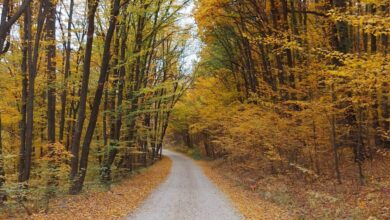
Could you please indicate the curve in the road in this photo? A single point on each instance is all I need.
(187, 194)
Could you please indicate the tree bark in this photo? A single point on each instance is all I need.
(6, 22)
(66, 72)
(334, 139)
(25, 61)
(50, 38)
(78, 185)
(51, 70)
(34, 53)
(119, 87)
(2, 171)
(76, 138)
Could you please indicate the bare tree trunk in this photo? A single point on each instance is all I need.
(77, 186)
(104, 121)
(66, 72)
(76, 138)
(51, 70)
(386, 111)
(360, 150)
(31, 92)
(2, 171)
(25, 62)
(50, 38)
(316, 160)
(334, 139)
(115, 136)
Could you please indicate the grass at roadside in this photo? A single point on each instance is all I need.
(246, 201)
(121, 200)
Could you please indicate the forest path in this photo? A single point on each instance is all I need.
(187, 194)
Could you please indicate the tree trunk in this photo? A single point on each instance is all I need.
(34, 53)
(77, 186)
(51, 70)
(113, 150)
(2, 171)
(334, 139)
(66, 73)
(75, 145)
(25, 62)
(50, 38)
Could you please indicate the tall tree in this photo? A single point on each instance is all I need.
(33, 54)
(77, 186)
(67, 71)
(75, 146)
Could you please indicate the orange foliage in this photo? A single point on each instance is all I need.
(116, 203)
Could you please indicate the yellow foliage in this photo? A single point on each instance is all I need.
(117, 203)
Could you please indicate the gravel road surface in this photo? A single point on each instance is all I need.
(187, 194)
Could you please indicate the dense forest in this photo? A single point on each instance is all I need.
(86, 88)
(295, 90)
(282, 91)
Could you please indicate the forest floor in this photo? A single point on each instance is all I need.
(118, 202)
(290, 196)
(246, 201)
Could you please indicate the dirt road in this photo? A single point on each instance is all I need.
(187, 194)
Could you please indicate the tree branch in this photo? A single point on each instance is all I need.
(5, 26)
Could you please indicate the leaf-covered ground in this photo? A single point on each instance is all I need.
(246, 201)
(290, 197)
(116, 203)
